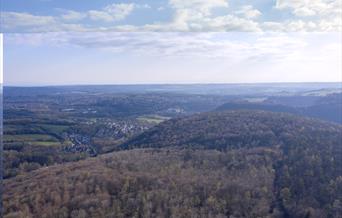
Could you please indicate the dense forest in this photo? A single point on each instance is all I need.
(236, 129)
(148, 183)
(215, 164)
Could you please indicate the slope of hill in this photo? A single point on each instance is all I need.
(148, 183)
(234, 129)
(219, 164)
(328, 107)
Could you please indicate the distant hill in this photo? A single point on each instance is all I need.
(258, 106)
(326, 108)
(217, 164)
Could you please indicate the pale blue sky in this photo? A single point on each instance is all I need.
(170, 15)
(88, 42)
(135, 58)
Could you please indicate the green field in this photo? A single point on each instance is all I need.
(153, 119)
(29, 138)
(44, 143)
(58, 129)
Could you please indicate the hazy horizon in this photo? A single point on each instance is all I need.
(167, 84)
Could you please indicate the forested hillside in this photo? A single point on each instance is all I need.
(149, 183)
(218, 164)
(237, 129)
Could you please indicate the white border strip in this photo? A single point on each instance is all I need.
(1, 117)
(1, 59)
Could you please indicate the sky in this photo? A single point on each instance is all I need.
(170, 15)
(69, 58)
(58, 42)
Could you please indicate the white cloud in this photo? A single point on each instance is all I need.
(217, 56)
(199, 6)
(198, 15)
(194, 14)
(13, 21)
(144, 6)
(303, 26)
(70, 15)
(311, 7)
(113, 12)
(9, 19)
(68, 20)
(249, 12)
(212, 45)
(314, 15)
(186, 16)
(100, 15)
(230, 23)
